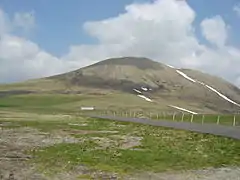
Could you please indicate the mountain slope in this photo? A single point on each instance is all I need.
(134, 76)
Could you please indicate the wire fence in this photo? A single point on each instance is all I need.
(219, 119)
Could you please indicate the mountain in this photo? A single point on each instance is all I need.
(164, 85)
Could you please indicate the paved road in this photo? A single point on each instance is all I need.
(232, 132)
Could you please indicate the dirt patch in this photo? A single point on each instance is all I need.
(14, 143)
(119, 141)
(75, 132)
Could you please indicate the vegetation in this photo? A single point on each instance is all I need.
(109, 146)
(159, 150)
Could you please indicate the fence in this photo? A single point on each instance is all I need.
(219, 119)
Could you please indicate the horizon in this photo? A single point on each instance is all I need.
(38, 40)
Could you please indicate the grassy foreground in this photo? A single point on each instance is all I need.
(72, 141)
(122, 148)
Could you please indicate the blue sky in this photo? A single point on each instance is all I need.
(45, 37)
(59, 23)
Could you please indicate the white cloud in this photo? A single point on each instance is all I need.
(162, 30)
(21, 59)
(215, 30)
(236, 9)
(24, 20)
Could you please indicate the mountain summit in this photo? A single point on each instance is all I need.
(156, 82)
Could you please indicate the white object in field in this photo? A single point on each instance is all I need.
(71, 124)
(179, 108)
(144, 97)
(137, 91)
(143, 88)
(185, 76)
(221, 95)
(87, 108)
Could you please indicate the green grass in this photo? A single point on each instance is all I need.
(69, 103)
(43, 103)
(162, 149)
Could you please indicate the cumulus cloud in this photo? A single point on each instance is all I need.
(215, 30)
(21, 59)
(162, 30)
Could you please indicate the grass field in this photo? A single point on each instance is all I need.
(119, 148)
(73, 102)
(49, 128)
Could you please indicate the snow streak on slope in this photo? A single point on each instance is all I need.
(144, 97)
(221, 95)
(170, 66)
(182, 109)
(185, 76)
(137, 91)
(209, 87)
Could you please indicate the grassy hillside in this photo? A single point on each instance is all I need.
(110, 84)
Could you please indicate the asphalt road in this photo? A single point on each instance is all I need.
(219, 130)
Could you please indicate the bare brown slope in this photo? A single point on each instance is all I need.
(126, 73)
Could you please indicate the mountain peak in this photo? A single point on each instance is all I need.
(139, 62)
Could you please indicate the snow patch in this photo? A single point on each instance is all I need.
(209, 87)
(143, 88)
(137, 91)
(170, 66)
(144, 97)
(185, 76)
(221, 95)
(179, 108)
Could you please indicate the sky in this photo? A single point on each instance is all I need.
(40, 38)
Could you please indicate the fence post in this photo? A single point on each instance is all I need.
(192, 118)
(182, 117)
(218, 119)
(203, 119)
(234, 120)
(174, 116)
